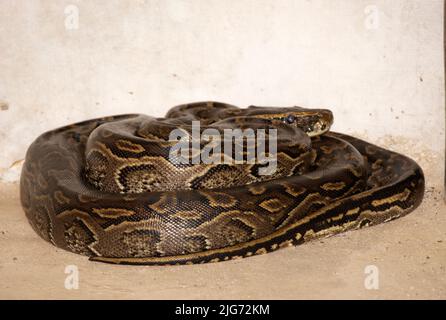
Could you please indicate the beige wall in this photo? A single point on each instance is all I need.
(376, 64)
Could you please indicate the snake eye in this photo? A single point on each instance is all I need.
(290, 118)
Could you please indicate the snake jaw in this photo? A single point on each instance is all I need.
(318, 129)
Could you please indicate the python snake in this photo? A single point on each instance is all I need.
(106, 187)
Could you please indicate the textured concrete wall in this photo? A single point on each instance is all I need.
(376, 64)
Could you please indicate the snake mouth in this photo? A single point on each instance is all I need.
(314, 125)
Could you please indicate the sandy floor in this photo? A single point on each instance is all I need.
(410, 254)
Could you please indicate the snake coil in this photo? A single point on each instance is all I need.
(106, 187)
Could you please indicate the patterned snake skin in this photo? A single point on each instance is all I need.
(106, 187)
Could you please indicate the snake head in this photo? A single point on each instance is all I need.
(313, 122)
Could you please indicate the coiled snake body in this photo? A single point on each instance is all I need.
(106, 188)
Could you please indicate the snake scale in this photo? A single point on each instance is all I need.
(106, 188)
